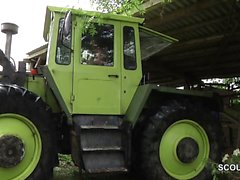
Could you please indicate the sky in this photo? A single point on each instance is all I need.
(29, 15)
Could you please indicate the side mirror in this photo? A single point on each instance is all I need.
(64, 32)
(67, 26)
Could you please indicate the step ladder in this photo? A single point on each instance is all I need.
(104, 144)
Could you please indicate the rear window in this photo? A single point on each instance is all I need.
(151, 43)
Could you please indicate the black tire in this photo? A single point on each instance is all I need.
(19, 101)
(151, 130)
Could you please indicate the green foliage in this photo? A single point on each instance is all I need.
(230, 84)
(66, 167)
(68, 171)
(125, 7)
(234, 158)
(233, 84)
(121, 6)
(109, 6)
(118, 6)
(88, 25)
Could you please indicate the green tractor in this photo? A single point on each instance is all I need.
(84, 94)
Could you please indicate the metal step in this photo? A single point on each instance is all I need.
(99, 127)
(102, 142)
(103, 160)
(112, 170)
(98, 138)
(97, 120)
(102, 149)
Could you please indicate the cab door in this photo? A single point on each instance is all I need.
(131, 62)
(96, 71)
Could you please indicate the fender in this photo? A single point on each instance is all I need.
(143, 93)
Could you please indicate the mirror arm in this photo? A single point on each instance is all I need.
(71, 50)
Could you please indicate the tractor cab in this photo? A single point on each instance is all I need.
(94, 59)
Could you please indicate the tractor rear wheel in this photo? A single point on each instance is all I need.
(177, 142)
(26, 139)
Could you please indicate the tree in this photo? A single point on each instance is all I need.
(118, 6)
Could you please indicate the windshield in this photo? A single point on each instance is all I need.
(152, 42)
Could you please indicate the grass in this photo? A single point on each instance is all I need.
(68, 171)
(66, 168)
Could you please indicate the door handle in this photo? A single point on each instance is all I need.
(113, 75)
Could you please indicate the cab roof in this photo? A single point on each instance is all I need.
(80, 12)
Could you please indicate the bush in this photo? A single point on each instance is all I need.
(229, 168)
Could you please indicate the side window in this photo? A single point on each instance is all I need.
(129, 48)
(97, 45)
(63, 54)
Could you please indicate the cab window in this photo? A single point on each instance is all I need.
(97, 45)
(63, 54)
(151, 43)
(129, 48)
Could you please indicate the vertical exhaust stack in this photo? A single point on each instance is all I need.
(9, 29)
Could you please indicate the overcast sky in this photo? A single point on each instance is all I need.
(29, 16)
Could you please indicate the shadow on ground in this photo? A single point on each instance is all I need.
(77, 177)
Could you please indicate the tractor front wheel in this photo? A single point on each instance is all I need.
(26, 139)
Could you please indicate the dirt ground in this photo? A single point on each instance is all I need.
(77, 177)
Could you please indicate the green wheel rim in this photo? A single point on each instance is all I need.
(24, 129)
(168, 149)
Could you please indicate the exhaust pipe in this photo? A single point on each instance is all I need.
(9, 29)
